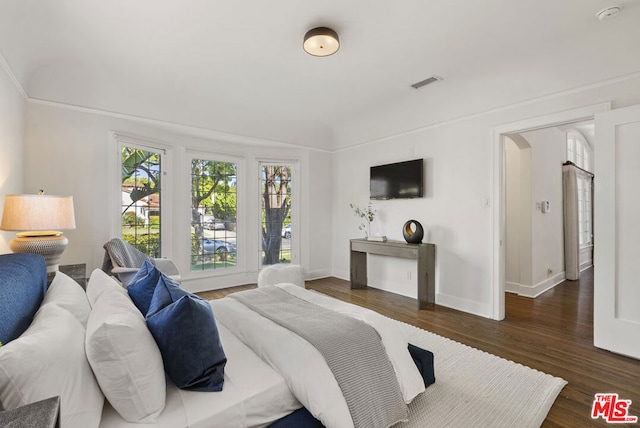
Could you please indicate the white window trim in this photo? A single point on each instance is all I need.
(241, 222)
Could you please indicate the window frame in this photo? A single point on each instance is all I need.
(294, 164)
(585, 206)
(185, 230)
(120, 140)
(579, 152)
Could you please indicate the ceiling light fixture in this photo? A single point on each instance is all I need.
(608, 12)
(321, 41)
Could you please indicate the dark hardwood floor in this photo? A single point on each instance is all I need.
(552, 333)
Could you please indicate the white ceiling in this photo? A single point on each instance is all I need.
(238, 66)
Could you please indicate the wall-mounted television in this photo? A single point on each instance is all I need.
(401, 180)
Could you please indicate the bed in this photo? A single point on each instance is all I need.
(101, 355)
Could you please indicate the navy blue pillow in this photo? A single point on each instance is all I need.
(23, 284)
(143, 285)
(424, 361)
(186, 333)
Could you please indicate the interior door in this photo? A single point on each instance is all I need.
(617, 231)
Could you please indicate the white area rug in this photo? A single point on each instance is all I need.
(477, 389)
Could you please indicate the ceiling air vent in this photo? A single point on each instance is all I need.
(426, 82)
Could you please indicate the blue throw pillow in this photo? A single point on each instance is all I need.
(23, 284)
(143, 285)
(186, 333)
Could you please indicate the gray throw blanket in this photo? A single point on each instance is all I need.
(352, 349)
(122, 254)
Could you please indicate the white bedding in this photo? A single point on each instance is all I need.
(302, 365)
(254, 395)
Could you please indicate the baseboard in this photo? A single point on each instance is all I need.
(317, 274)
(453, 302)
(215, 282)
(341, 274)
(541, 287)
(465, 305)
(586, 265)
(512, 287)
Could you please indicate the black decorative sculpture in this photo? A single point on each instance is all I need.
(410, 235)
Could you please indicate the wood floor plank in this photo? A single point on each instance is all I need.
(552, 333)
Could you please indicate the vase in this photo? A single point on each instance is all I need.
(410, 235)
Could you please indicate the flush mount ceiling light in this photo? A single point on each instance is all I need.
(608, 12)
(321, 41)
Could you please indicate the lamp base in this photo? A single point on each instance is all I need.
(51, 247)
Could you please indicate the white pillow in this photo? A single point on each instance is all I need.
(125, 358)
(48, 359)
(69, 295)
(99, 282)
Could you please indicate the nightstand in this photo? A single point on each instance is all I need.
(76, 272)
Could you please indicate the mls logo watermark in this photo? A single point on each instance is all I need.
(612, 409)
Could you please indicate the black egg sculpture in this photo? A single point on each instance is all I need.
(410, 235)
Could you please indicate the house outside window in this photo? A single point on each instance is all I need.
(141, 198)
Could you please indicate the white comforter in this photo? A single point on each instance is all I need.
(254, 395)
(302, 366)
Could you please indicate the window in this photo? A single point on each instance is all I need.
(584, 210)
(213, 214)
(276, 197)
(141, 190)
(579, 152)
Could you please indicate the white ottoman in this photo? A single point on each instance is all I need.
(276, 274)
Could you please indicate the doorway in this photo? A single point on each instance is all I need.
(499, 189)
(540, 253)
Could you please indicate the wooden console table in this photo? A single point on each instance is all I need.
(424, 254)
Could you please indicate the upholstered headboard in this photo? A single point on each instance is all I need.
(23, 284)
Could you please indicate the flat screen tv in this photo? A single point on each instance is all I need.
(402, 180)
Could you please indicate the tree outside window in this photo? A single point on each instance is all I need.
(213, 214)
(141, 199)
(276, 214)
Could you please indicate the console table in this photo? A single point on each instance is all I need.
(424, 254)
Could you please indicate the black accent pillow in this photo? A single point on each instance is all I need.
(424, 361)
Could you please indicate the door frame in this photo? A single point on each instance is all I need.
(498, 223)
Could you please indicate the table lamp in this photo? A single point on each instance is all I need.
(38, 218)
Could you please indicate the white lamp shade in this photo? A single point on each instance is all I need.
(38, 213)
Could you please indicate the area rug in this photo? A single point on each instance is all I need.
(477, 389)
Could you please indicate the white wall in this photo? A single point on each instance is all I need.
(548, 152)
(12, 147)
(71, 151)
(459, 170)
(458, 160)
(518, 213)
